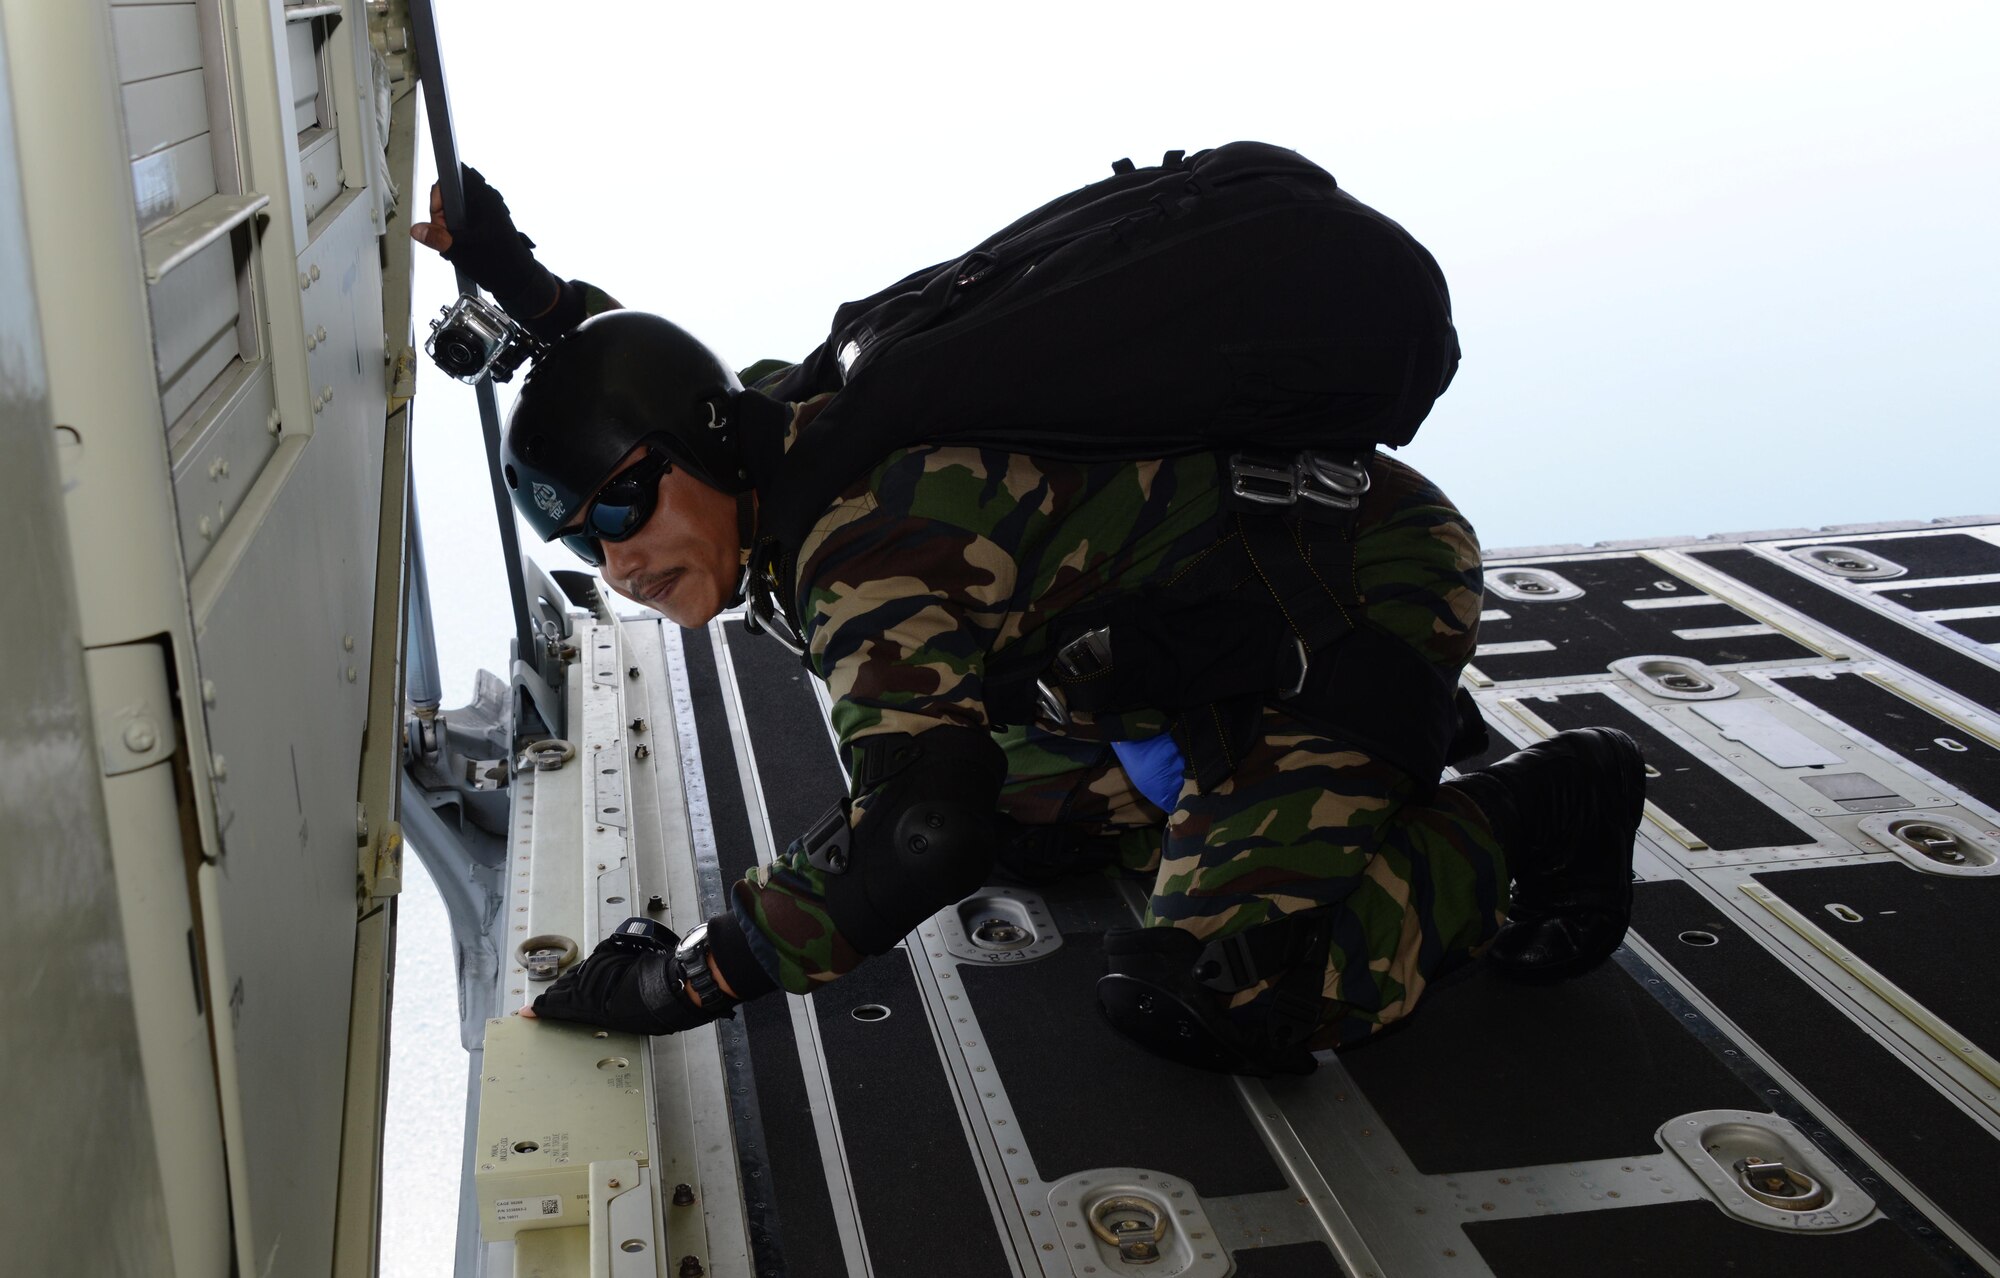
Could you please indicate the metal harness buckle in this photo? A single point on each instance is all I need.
(1082, 657)
(1320, 478)
(760, 616)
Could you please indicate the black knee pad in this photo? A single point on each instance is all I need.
(926, 839)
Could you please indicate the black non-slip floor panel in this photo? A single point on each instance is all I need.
(1591, 632)
(1977, 629)
(1952, 667)
(1680, 1240)
(1925, 598)
(906, 1148)
(1932, 934)
(1906, 728)
(1908, 1123)
(1293, 1260)
(795, 758)
(1085, 1097)
(1722, 814)
(792, 1218)
(1942, 555)
(1490, 1073)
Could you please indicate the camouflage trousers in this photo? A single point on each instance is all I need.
(1415, 885)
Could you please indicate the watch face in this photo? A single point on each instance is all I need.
(696, 939)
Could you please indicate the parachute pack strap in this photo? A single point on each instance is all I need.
(1375, 693)
(1309, 570)
(1215, 736)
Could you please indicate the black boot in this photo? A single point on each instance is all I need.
(1567, 812)
(1150, 994)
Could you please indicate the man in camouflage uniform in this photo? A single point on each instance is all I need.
(1347, 880)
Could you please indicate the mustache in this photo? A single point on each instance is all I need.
(645, 583)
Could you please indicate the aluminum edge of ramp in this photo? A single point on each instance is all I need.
(613, 827)
(1363, 1190)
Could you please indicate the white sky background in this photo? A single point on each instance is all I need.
(1714, 266)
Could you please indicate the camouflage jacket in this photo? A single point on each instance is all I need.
(942, 558)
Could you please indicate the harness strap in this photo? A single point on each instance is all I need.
(1292, 952)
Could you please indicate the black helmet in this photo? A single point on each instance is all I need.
(621, 379)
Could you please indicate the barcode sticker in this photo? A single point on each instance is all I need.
(507, 1210)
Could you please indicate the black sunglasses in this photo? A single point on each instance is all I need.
(620, 508)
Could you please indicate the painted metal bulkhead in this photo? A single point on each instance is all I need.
(219, 295)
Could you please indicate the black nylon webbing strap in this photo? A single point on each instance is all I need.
(1318, 600)
(1290, 952)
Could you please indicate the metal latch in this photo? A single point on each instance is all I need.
(1132, 1225)
(546, 956)
(1776, 1185)
(545, 756)
(1000, 934)
(1934, 841)
(1678, 678)
(1850, 562)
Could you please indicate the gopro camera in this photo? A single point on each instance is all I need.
(472, 338)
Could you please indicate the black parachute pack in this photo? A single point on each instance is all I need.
(1235, 297)
(1230, 300)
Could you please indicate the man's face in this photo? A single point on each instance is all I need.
(684, 561)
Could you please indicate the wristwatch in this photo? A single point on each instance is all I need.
(691, 960)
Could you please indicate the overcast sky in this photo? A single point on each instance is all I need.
(1714, 266)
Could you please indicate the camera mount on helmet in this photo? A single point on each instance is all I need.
(472, 338)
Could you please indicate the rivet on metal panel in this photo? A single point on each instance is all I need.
(320, 333)
(690, 1267)
(347, 642)
(353, 674)
(631, 672)
(205, 527)
(638, 725)
(218, 767)
(314, 272)
(655, 904)
(141, 736)
(305, 282)
(208, 692)
(642, 752)
(275, 423)
(312, 343)
(683, 1194)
